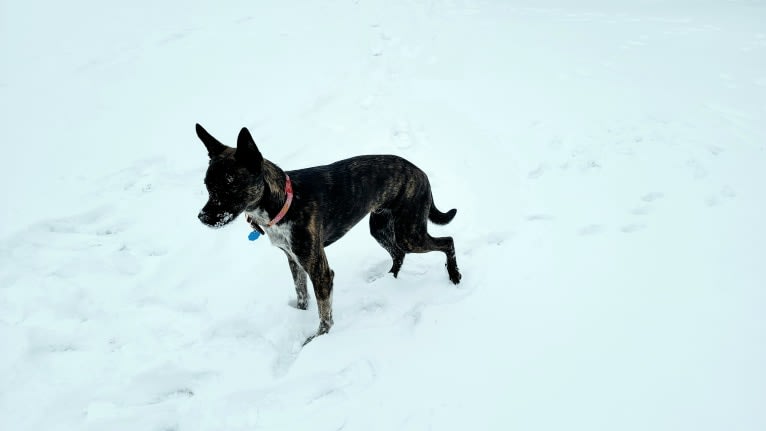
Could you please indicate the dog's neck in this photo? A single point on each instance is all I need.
(274, 196)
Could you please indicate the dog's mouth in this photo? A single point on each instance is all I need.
(217, 221)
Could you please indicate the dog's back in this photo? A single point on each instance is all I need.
(347, 190)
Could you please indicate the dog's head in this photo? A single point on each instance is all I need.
(234, 178)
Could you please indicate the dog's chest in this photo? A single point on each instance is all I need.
(280, 235)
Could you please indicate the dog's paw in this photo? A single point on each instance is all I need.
(300, 305)
(454, 274)
(324, 327)
(396, 267)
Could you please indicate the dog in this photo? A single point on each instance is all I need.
(305, 210)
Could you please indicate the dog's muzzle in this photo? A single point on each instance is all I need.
(215, 220)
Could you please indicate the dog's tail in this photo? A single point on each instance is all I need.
(439, 217)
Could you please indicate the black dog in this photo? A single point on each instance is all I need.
(306, 210)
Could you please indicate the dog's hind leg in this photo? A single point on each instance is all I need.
(299, 278)
(447, 245)
(413, 237)
(382, 229)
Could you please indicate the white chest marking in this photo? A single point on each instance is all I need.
(280, 234)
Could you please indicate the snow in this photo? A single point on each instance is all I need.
(606, 160)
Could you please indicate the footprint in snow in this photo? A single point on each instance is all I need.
(539, 217)
(714, 199)
(374, 276)
(715, 150)
(414, 316)
(403, 136)
(378, 271)
(556, 143)
(171, 38)
(497, 238)
(651, 197)
(372, 306)
(479, 242)
(591, 229)
(537, 172)
(173, 395)
(698, 171)
(642, 210)
(648, 198)
(631, 228)
(589, 165)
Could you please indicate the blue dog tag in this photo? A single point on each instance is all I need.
(254, 235)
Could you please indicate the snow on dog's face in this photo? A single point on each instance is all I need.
(234, 178)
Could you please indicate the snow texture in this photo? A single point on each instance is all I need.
(607, 160)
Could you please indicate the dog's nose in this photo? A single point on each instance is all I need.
(201, 216)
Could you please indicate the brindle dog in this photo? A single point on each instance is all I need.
(327, 202)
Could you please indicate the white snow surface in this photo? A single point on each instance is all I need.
(607, 160)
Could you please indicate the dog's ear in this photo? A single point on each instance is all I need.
(214, 147)
(247, 152)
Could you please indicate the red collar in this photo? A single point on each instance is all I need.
(289, 192)
(288, 201)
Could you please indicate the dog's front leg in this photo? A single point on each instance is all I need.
(299, 278)
(322, 278)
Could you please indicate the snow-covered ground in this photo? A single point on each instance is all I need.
(607, 161)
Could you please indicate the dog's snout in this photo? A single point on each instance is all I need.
(213, 218)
